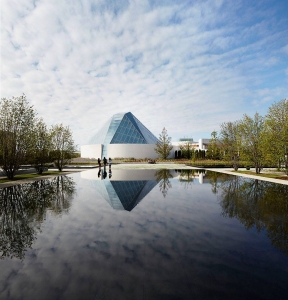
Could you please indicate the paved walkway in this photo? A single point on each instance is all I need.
(230, 171)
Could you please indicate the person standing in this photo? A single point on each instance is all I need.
(99, 163)
(104, 161)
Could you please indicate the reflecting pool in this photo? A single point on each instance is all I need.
(144, 234)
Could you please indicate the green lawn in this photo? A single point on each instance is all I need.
(28, 176)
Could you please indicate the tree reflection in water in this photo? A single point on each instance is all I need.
(257, 203)
(163, 177)
(23, 208)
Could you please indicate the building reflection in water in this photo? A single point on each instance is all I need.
(124, 195)
(255, 203)
(188, 176)
(128, 187)
(24, 207)
(125, 189)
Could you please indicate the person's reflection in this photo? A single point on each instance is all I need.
(110, 171)
(105, 172)
(99, 173)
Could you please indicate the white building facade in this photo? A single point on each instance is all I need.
(124, 136)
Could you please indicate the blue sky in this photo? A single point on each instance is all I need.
(185, 65)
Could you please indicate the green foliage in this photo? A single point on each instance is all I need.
(252, 132)
(39, 155)
(276, 134)
(17, 119)
(63, 147)
(209, 163)
(213, 151)
(187, 150)
(230, 140)
(25, 139)
(258, 140)
(164, 146)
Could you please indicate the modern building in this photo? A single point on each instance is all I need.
(121, 136)
(124, 136)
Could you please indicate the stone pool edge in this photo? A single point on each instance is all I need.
(144, 166)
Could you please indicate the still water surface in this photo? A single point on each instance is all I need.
(145, 234)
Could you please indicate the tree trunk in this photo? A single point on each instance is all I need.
(258, 169)
(10, 174)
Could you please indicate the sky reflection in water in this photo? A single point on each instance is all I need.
(144, 234)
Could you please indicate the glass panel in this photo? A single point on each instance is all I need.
(127, 133)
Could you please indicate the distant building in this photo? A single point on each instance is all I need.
(202, 144)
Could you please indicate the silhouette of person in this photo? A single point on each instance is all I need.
(104, 161)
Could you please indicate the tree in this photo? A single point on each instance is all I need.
(163, 147)
(252, 131)
(213, 150)
(62, 145)
(187, 150)
(276, 133)
(230, 141)
(39, 155)
(16, 127)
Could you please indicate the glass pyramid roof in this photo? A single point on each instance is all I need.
(123, 128)
(124, 195)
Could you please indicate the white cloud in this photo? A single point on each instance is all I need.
(176, 66)
(285, 49)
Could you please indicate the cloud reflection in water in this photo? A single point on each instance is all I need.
(177, 247)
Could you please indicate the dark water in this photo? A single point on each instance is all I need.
(144, 234)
